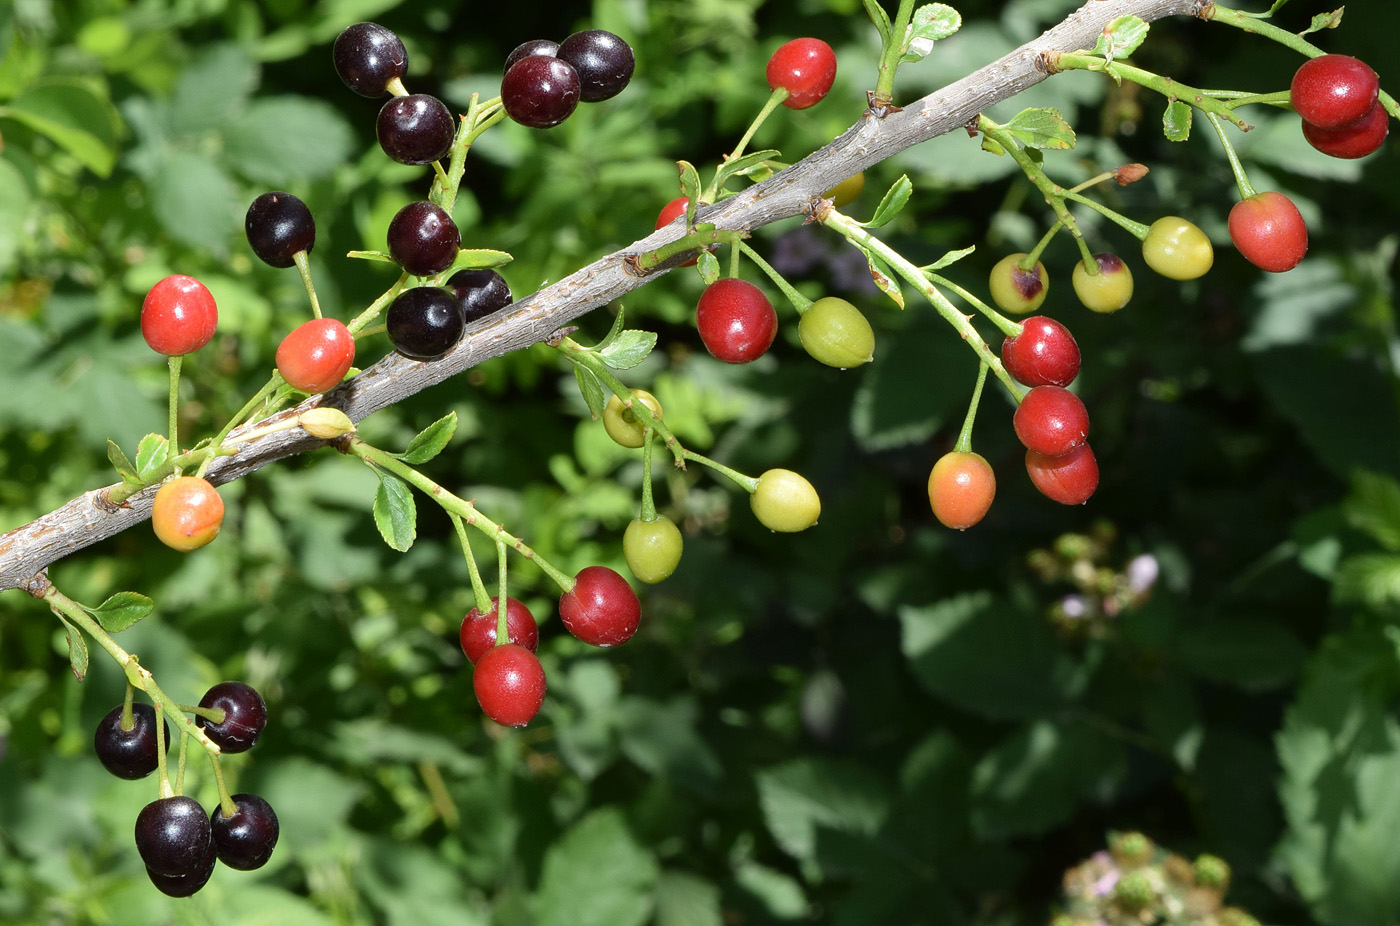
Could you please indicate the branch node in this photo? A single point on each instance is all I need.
(557, 338)
(103, 500)
(1048, 62)
(1204, 9)
(39, 584)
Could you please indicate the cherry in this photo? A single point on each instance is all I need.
(1043, 354)
(316, 355)
(669, 213)
(836, 333)
(540, 91)
(509, 683)
(652, 548)
(806, 68)
(415, 129)
(604, 63)
(173, 836)
(1051, 420)
(1069, 478)
(178, 316)
(129, 754)
(1353, 139)
(367, 56)
(481, 292)
(1269, 231)
(187, 513)
(245, 840)
(622, 425)
(478, 633)
(961, 487)
(187, 885)
(1177, 249)
(1015, 290)
(845, 192)
(245, 716)
(424, 323)
(542, 47)
(736, 321)
(279, 225)
(601, 608)
(1106, 291)
(785, 501)
(1331, 90)
(423, 239)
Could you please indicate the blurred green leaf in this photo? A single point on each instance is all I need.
(802, 800)
(212, 90)
(196, 202)
(75, 116)
(16, 205)
(280, 140)
(682, 899)
(596, 874)
(1250, 653)
(1374, 507)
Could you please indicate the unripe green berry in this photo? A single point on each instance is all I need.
(652, 548)
(836, 333)
(785, 501)
(1177, 249)
(622, 424)
(1106, 291)
(1015, 290)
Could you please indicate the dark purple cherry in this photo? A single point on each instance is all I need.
(424, 323)
(173, 835)
(129, 754)
(245, 840)
(481, 292)
(423, 239)
(415, 129)
(367, 56)
(278, 226)
(604, 63)
(543, 47)
(245, 716)
(186, 885)
(539, 91)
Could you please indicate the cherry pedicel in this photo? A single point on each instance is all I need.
(1043, 354)
(478, 633)
(601, 609)
(245, 716)
(278, 226)
(178, 316)
(1051, 420)
(1331, 90)
(735, 320)
(1069, 478)
(509, 683)
(316, 355)
(806, 68)
(367, 56)
(1269, 231)
(1353, 139)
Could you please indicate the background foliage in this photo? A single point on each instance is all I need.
(875, 721)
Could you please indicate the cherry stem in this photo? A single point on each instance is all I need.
(226, 803)
(483, 600)
(702, 236)
(774, 101)
(303, 262)
(502, 621)
(799, 302)
(599, 367)
(371, 330)
(748, 483)
(1028, 262)
(377, 306)
(1092, 181)
(175, 362)
(180, 766)
(1008, 327)
(1136, 229)
(892, 54)
(162, 767)
(1241, 178)
(1166, 86)
(648, 502)
(395, 86)
(128, 720)
(211, 714)
(964, 444)
(246, 412)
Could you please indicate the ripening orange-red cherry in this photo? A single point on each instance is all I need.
(187, 513)
(961, 488)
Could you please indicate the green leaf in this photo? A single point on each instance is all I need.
(122, 610)
(281, 139)
(77, 648)
(124, 467)
(212, 90)
(596, 875)
(884, 278)
(1374, 507)
(892, 202)
(430, 441)
(1042, 127)
(683, 899)
(196, 202)
(480, 259)
(1121, 37)
(72, 114)
(1325, 21)
(1278, 5)
(592, 389)
(690, 189)
(932, 22)
(952, 257)
(1248, 653)
(395, 514)
(708, 267)
(1369, 579)
(628, 349)
(151, 455)
(382, 256)
(742, 165)
(880, 18)
(805, 800)
(619, 325)
(16, 203)
(1176, 121)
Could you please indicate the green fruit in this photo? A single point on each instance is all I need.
(836, 333)
(652, 548)
(1015, 290)
(621, 422)
(1177, 249)
(845, 192)
(1106, 291)
(784, 501)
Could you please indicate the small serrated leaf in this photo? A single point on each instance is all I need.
(122, 610)
(893, 202)
(77, 648)
(1176, 121)
(1325, 21)
(931, 23)
(628, 349)
(124, 467)
(151, 455)
(884, 278)
(592, 390)
(395, 513)
(952, 257)
(480, 259)
(690, 189)
(381, 256)
(708, 267)
(430, 441)
(1121, 37)
(1042, 127)
(741, 164)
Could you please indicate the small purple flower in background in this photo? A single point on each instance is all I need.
(1142, 572)
(798, 251)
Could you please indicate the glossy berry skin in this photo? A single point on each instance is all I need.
(846, 192)
(1043, 354)
(1015, 290)
(367, 56)
(601, 608)
(652, 548)
(129, 754)
(279, 225)
(669, 213)
(245, 840)
(424, 323)
(1069, 479)
(178, 316)
(1331, 90)
(736, 321)
(1177, 249)
(1106, 291)
(187, 513)
(481, 292)
(423, 239)
(186, 885)
(1268, 231)
(835, 333)
(316, 355)
(1354, 139)
(1051, 420)
(785, 501)
(509, 683)
(806, 68)
(173, 836)
(603, 61)
(540, 91)
(415, 129)
(478, 632)
(543, 47)
(245, 716)
(622, 425)
(961, 487)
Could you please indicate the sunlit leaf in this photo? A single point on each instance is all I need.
(395, 513)
(430, 441)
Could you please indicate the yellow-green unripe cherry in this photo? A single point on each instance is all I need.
(836, 333)
(1106, 291)
(845, 192)
(785, 501)
(1015, 290)
(652, 548)
(1177, 249)
(622, 424)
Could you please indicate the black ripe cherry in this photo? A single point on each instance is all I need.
(367, 56)
(129, 754)
(601, 608)
(173, 836)
(424, 323)
(245, 840)
(423, 239)
(510, 684)
(186, 885)
(542, 47)
(1043, 354)
(540, 91)
(245, 716)
(481, 292)
(603, 61)
(279, 225)
(415, 129)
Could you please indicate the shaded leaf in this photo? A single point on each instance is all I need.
(596, 874)
(884, 278)
(879, 17)
(743, 164)
(690, 189)
(709, 267)
(1374, 507)
(592, 389)
(122, 610)
(124, 467)
(430, 441)
(805, 798)
(77, 648)
(951, 257)
(1176, 121)
(894, 200)
(1248, 653)
(1325, 21)
(1042, 127)
(395, 513)
(683, 899)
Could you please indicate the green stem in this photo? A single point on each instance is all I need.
(1241, 178)
(890, 56)
(1277, 98)
(378, 305)
(303, 262)
(180, 766)
(128, 720)
(799, 302)
(226, 803)
(1028, 262)
(1007, 327)
(1166, 86)
(1136, 229)
(244, 413)
(483, 600)
(175, 363)
(775, 100)
(748, 483)
(964, 444)
(702, 236)
(162, 763)
(502, 611)
(595, 364)
(1092, 181)
(648, 502)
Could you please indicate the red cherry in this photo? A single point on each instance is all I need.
(736, 321)
(178, 316)
(1051, 420)
(509, 684)
(1269, 231)
(316, 355)
(1069, 478)
(1043, 354)
(478, 633)
(601, 609)
(1331, 90)
(669, 213)
(806, 68)
(1353, 139)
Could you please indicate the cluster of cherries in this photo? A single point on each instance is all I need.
(178, 842)
(544, 81)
